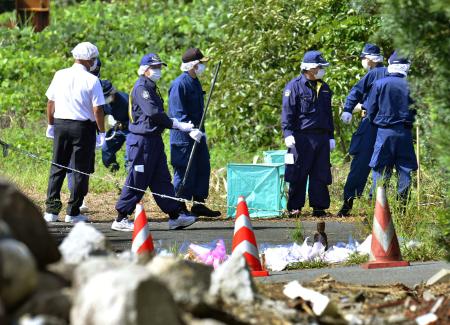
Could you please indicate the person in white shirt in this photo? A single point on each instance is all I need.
(74, 113)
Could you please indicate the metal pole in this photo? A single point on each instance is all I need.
(418, 166)
(200, 127)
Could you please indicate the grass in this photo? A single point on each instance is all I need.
(315, 264)
(424, 222)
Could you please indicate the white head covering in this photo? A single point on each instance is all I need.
(399, 68)
(85, 51)
(374, 57)
(188, 65)
(142, 69)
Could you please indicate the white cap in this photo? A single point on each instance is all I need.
(85, 51)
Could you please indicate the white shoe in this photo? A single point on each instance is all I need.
(84, 208)
(123, 225)
(75, 219)
(50, 217)
(181, 222)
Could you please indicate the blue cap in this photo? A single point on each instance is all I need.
(107, 87)
(315, 57)
(396, 59)
(370, 49)
(151, 59)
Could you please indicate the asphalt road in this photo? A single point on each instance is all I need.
(266, 231)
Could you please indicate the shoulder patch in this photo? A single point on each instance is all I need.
(145, 94)
(287, 93)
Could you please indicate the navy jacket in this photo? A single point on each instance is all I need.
(119, 107)
(307, 106)
(360, 91)
(388, 102)
(186, 103)
(146, 110)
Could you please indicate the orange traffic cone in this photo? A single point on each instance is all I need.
(385, 250)
(142, 239)
(244, 241)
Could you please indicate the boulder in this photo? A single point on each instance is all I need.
(18, 272)
(232, 282)
(124, 296)
(89, 268)
(27, 224)
(82, 242)
(188, 281)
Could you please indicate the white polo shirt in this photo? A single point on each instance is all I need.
(75, 92)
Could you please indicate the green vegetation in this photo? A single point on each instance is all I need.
(261, 44)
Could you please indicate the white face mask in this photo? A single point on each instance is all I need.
(109, 99)
(320, 74)
(155, 74)
(365, 64)
(200, 69)
(94, 66)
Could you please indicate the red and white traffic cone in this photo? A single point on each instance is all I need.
(385, 250)
(142, 238)
(244, 241)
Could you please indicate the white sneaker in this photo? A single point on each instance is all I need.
(181, 222)
(75, 219)
(50, 217)
(123, 225)
(84, 208)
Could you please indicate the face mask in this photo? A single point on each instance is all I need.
(365, 64)
(320, 74)
(109, 99)
(155, 75)
(200, 69)
(94, 66)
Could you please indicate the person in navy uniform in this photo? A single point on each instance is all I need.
(388, 108)
(363, 140)
(308, 129)
(116, 108)
(147, 160)
(186, 103)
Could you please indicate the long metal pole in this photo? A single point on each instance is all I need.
(200, 127)
(418, 166)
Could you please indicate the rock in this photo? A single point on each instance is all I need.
(5, 232)
(64, 270)
(441, 276)
(52, 297)
(89, 268)
(83, 241)
(124, 296)
(188, 281)
(18, 272)
(40, 320)
(232, 282)
(27, 224)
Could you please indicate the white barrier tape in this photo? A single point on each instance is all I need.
(246, 247)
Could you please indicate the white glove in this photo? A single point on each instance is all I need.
(332, 144)
(182, 126)
(358, 108)
(346, 117)
(289, 141)
(50, 133)
(100, 140)
(196, 134)
(111, 121)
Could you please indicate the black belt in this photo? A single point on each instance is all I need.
(408, 126)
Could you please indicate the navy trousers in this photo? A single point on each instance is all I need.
(197, 182)
(113, 145)
(394, 149)
(148, 169)
(361, 148)
(312, 159)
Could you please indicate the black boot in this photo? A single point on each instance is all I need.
(319, 212)
(346, 208)
(200, 209)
